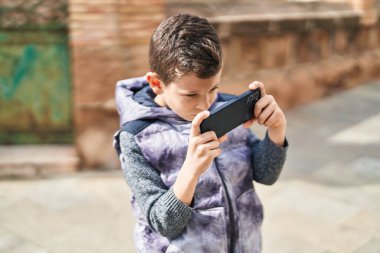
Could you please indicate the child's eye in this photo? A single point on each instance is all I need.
(214, 89)
(191, 95)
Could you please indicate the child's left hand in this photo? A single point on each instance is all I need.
(268, 113)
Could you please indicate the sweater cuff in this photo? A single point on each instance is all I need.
(273, 148)
(173, 203)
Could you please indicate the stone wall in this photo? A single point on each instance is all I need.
(109, 41)
(300, 57)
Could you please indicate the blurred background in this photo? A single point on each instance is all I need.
(61, 187)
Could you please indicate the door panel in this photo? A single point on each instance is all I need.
(35, 87)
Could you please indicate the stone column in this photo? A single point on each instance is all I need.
(109, 42)
(369, 10)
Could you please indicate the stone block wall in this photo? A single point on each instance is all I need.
(300, 57)
(109, 40)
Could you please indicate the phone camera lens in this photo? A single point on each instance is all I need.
(255, 96)
(250, 100)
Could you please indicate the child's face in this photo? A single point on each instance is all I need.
(190, 95)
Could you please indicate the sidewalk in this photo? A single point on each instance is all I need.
(326, 201)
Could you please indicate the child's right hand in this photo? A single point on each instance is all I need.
(203, 148)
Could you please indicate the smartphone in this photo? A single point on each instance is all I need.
(231, 114)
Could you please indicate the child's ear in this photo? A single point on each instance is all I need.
(155, 83)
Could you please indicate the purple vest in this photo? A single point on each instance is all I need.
(226, 207)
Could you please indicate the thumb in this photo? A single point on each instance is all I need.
(195, 124)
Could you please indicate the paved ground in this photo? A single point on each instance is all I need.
(326, 201)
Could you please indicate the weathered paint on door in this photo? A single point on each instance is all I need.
(35, 88)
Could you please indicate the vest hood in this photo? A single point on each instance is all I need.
(134, 100)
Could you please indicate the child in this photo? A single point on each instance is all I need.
(193, 192)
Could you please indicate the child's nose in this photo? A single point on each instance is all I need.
(203, 104)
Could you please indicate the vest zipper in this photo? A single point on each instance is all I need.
(230, 210)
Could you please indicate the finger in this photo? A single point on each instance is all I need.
(208, 136)
(262, 104)
(271, 119)
(248, 123)
(215, 152)
(266, 113)
(205, 137)
(257, 84)
(223, 138)
(195, 129)
(210, 145)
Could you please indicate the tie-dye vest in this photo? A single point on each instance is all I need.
(224, 192)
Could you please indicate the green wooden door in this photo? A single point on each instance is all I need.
(35, 87)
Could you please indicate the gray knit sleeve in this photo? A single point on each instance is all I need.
(163, 211)
(267, 158)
